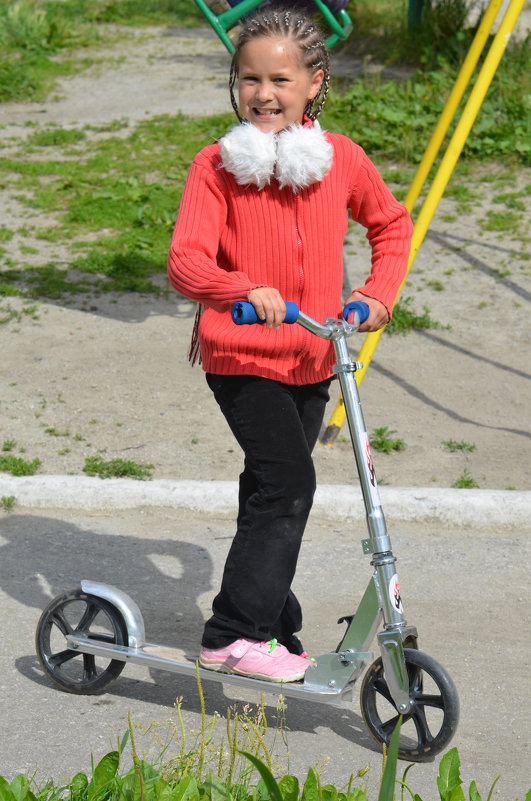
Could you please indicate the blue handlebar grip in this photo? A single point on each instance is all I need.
(243, 313)
(356, 306)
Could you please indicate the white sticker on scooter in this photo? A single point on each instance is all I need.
(370, 472)
(394, 594)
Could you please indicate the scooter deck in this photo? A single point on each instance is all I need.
(174, 660)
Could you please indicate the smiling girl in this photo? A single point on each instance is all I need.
(263, 218)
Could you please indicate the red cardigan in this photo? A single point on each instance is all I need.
(230, 239)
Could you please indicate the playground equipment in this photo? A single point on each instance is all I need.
(448, 161)
(85, 636)
(339, 24)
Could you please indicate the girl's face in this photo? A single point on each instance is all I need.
(273, 85)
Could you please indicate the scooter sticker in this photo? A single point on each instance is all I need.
(371, 474)
(394, 594)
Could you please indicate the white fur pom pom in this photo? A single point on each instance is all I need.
(249, 154)
(304, 156)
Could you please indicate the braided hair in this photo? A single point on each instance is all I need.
(297, 26)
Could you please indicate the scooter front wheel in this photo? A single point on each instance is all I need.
(432, 719)
(75, 612)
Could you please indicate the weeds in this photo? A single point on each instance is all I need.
(382, 440)
(31, 34)
(453, 446)
(406, 320)
(106, 198)
(18, 466)
(117, 468)
(7, 503)
(465, 481)
(394, 119)
(198, 774)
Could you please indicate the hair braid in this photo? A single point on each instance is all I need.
(297, 26)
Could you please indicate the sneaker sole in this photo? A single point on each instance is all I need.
(216, 667)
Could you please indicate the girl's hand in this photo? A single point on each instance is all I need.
(269, 305)
(378, 314)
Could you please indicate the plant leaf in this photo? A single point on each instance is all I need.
(20, 787)
(5, 791)
(267, 776)
(78, 786)
(310, 791)
(329, 793)
(473, 792)
(216, 788)
(449, 777)
(125, 740)
(457, 794)
(104, 772)
(289, 787)
(387, 787)
(357, 794)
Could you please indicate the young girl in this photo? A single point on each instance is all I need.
(262, 219)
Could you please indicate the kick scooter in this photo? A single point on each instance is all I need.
(85, 636)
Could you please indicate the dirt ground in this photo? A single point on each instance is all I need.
(115, 379)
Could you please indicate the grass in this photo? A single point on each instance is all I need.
(115, 203)
(33, 34)
(203, 769)
(18, 466)
(405, 319)
(114, 197)
(465, 481)
(382, 440)
(7, 503)
(117, 468)
(462, 446)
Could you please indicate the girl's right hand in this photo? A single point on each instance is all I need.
(269, 305)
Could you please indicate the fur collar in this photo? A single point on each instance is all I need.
(297, 157)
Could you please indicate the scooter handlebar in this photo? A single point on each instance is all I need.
(356, 306)
(243, 313)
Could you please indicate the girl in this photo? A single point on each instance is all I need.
(263, 217)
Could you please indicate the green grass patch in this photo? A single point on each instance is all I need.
(53, 432)
(242, 768)
(506, 221)
(454, 446)
(7, 503)
(394, 119)
(117, 468)
(122, 192)
(34, 33)
(56, 137)
(6, 235)
(382, 440)
(18, 466)
(465, 481)
(405, 319)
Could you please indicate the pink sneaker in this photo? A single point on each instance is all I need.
(269, 661)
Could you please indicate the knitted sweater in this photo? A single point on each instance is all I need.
(230, 239)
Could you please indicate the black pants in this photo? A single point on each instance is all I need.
(277, 426)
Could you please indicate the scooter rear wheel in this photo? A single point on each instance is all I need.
(75, 612)
(432, 719)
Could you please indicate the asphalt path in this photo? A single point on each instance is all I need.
(464, 587)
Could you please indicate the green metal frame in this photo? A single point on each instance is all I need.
(340, 25)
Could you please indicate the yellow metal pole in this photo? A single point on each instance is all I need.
(440, 182)
(469, 64)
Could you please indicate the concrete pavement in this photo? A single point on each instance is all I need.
(464, 587)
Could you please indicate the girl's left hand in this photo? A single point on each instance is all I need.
(378, 314)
